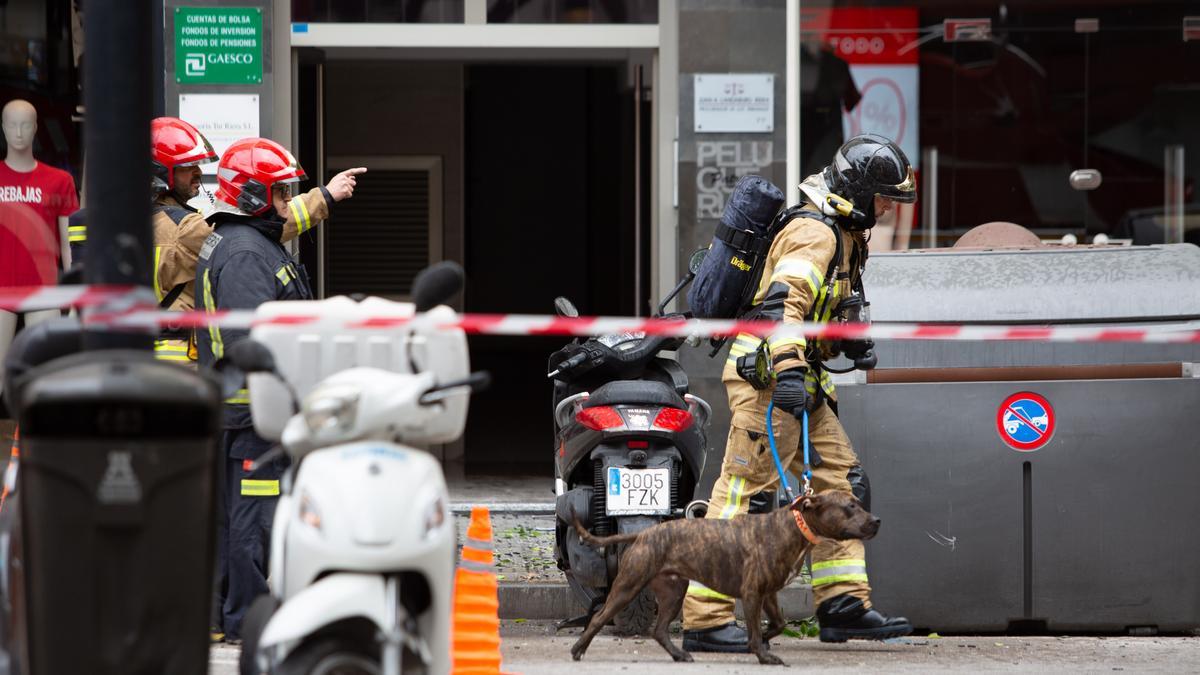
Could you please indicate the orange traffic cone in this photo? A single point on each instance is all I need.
(10, 475)
(476, 649)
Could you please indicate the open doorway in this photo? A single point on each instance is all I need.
(551, 170)
(543, 176)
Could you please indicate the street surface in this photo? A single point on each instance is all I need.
(531, 648)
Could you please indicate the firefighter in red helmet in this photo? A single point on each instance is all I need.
(177, 151)
(243, 264)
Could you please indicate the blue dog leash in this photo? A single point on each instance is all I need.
(775, 453)
(806, 476)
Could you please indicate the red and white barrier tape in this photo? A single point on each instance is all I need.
(35, 298)
(126, 309)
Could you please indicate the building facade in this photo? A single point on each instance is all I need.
(585, 147)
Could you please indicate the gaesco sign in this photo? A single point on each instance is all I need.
(218, 45)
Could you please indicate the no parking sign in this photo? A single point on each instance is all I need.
(1025, 421)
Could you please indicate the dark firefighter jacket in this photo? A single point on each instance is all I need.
(241, 265)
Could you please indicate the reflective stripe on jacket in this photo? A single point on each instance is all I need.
(242, 265)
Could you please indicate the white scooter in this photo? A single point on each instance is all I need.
(362, 551)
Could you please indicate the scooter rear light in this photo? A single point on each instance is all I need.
(673, 419)
(599, 418)
(638, 445)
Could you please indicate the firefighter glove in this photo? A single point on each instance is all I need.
(861, 352)
(790, 394)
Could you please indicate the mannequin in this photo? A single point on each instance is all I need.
(34, 196)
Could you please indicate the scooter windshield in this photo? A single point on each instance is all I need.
(621, 341)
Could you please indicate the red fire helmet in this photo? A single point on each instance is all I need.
(173, 143)
(250, 168)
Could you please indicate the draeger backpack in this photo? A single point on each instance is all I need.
(727, 279)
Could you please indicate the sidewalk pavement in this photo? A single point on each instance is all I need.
(532, 648)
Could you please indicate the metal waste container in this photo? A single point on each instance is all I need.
(1033, 485)
(117, 486)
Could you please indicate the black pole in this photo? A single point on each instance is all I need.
(117, 95)
(158, 102)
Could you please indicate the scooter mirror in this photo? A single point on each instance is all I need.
(564, 307)
(436, 284)
(697, 260)
(250, 356)
(475, 382)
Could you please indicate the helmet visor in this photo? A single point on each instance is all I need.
(285, 188)
(198, 162)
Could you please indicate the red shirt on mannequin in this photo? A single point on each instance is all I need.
(28, 255)
(49, 193)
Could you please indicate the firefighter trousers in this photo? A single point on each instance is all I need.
(838, 567)
(247, 509)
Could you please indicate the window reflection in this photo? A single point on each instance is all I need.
(859, 74)
(1015, 112)
(377, 11)
(827, 92)
(498, 11)
(573, 11)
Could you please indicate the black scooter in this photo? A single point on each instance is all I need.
(630, 449)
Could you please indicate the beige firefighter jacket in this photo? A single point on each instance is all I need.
(793, 288)
(180, 232)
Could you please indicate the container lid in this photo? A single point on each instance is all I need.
(1044, 285)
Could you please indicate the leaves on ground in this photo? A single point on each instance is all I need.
(521, 531)
(803, 628)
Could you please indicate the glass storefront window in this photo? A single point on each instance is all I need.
(1004, 111)
(498, 11)
(40, 47)
(377, 11)
(573, 11)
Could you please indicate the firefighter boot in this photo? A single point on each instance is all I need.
(730, 638)
(845, 617)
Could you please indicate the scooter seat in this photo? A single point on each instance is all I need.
(635, 392)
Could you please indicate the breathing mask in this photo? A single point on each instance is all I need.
(855, 309)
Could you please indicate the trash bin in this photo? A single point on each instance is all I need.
(1034, 486)
(117, 486)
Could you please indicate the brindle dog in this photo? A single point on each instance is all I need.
(750, 557)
